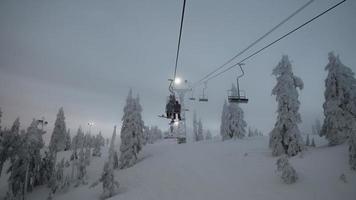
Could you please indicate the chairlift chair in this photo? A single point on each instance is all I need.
(240, 97)
(204, 98)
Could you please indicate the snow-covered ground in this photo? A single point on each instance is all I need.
(240, 169)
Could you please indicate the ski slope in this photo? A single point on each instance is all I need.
(240, 169)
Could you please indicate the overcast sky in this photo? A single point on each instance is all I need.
(85, 55)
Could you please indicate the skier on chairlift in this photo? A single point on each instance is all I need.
(177, 109)
(170, 106)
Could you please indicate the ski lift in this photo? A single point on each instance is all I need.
(240, 97)
(173, 108)
(192, 98)
(204, 98)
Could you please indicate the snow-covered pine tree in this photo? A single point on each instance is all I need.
(195, 126)
(250, 133)
(87, 156)
(57, 180)
(33, 144)
(46, 167)
(110, 185)
(18, 170)
(224, 122)
(101, 139)
(146, 133)
(313, 142)
(339, 106)
(87, 140)
(129, 135)
(288, 173)
(77, 143)
(0, 120)
(81, 169)
(235, 121)
(58, 138)
(307, 143)
(97, 146)
(116, 160)
(139, 124)
(8, 143)
(316, 127)
(208, 135)
(154, 134)
(200, 136)
(68, 141)
(352, 151)
(285, 136)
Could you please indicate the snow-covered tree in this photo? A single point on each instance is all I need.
(0, 119)
(110, 185)
(8, 143)
(154, 134)
(87, 156)
(18, 171)
(101, 139)
(285, 136)
(139, 124)
(200, 135)
(195, 126)
(57, 180)
(33, 143)
(352, 151)
(58, 138)
(46, 167)
(116, 160)
(224, 122)
(340, 102)
(77, 141)
(235, 118)
(97, 145)
(208, 135)
(68, 141)
(316, 127)
(288, 173)
(254, 132)
(129, 134)
(307, 143)
(313, 142)
(81, 169)
(87, 140)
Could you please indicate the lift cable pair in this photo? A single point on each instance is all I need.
(242, 98)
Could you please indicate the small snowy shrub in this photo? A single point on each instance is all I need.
(288, 173)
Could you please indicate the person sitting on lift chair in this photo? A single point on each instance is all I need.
(177, 110)
(170, 107)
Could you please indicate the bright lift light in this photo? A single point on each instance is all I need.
(177, 81)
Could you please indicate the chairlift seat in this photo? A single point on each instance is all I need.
(237, 99)
(192, 98)
(203, 99)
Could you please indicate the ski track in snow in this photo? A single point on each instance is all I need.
(218, 170)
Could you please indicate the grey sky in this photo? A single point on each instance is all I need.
(84, 55)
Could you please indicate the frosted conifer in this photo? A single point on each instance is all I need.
(285, 137)
(339, 106)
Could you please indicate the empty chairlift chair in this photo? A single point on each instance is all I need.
(192, 98)
(240, 97)
(204, 98)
